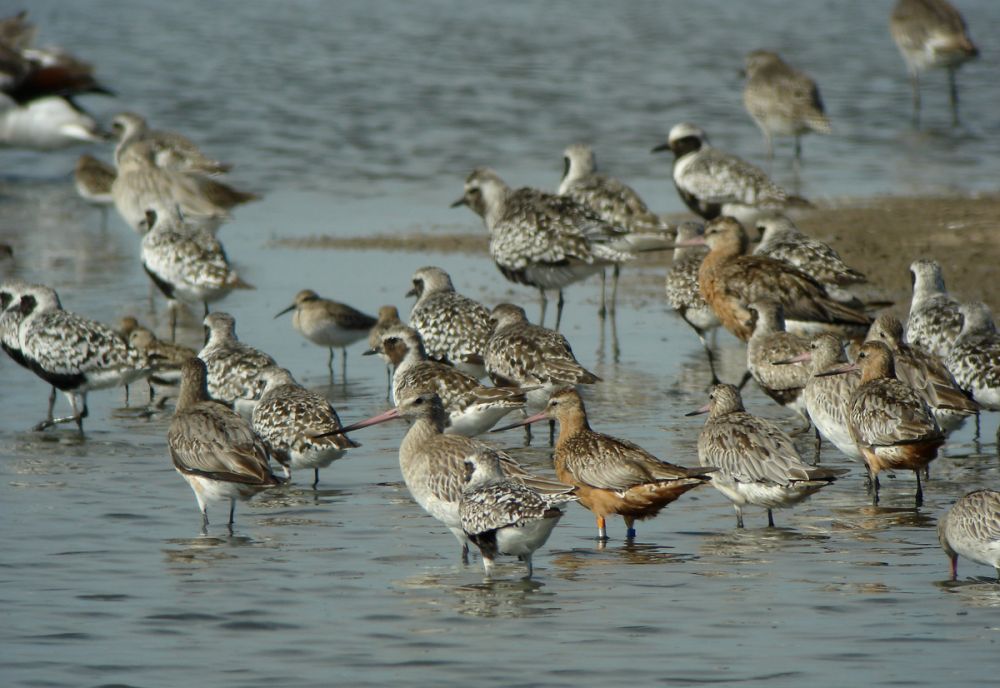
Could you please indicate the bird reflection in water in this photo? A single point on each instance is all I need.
(503, 598)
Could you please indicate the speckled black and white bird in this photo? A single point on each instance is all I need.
(453, 327)
(520, 354)
(782, 100)
(503, 516)
(612, 200)
(10, 323)
(187, 263)
(291, 421)
(931, 34)
(971, 528)
(73, 353)
(213, 448)
(713, 183)
(782, 240)
(233, 367)
(472, 408)
(934, 321)
(541, 239)
(683, 292)
(974, 358)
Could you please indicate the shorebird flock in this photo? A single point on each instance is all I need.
(884, 394)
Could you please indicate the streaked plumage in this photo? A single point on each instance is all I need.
(213, 448)
(893, 427)
(454, 328)
(971, 528)
(611, 475)
(388, 318)
(934, 320)
(974, 358)
(769, 344)
(782, 240)
(233, 368)
(782, 100)
(757, 462)
(713, 183)
(472, 408)
(329, 324)
(681, 286)
(187, 263)
(729, 280)
(73, 353)
(926, 373)
(433, 464)
(520, 354)
(541, 239)
(290, 420)
(165, 358)
(503, 516)
(93, 179)
(931, 34)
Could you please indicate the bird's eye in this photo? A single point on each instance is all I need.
(419, 401)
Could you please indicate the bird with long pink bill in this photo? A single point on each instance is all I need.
(611, 475)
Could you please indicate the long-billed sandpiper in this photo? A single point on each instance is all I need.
(611, 475)
(213, 448)
(931, 34)
(329, 324)
(757, 463)
(454, 328)
(891, 424)
(782, 100)
(503, 516)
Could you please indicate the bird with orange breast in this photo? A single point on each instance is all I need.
(892, 426)
(611, 475)
(729, 280)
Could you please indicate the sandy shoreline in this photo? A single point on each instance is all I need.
(879, 236)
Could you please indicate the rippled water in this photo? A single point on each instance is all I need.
(356, 118)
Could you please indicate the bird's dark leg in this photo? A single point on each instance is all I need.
(629, 528)
(545, 303)
(770, 519)
(602, 312)
(329, 364)
(953, 93)
(173, 322)
(745, 379)
(343, 365)
(559, 307)
(915, 84)
(614, 287)
(232, 512)
(315, 478)
(818, 445)
(920, 491)
(739, 516)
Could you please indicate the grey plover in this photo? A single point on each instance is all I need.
(329, 324)
(757, 463)
(454, 328)
(213, 448)
(892, 426)
(233, 367)
(170, 149)
(974, 358)
(713, 183)
(292, 421)
(683, 293)
(612, 200)
(611, 475)
(187, 264)
(934, 320)
(73, 353)
(971, 528)
(472, 408)
(532, 357)
(502, 516)
(931, 34)
(926, 373)
(433, 463)
(827, 396)
(782, 240)
(729, 279)
(10, 323)
(769, 344)
(782, 100)
(540, 239)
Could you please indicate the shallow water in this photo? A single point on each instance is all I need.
(360, 118)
